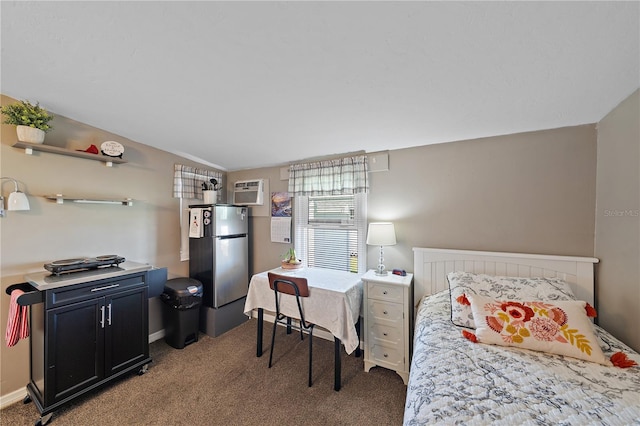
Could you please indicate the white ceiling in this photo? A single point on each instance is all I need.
(251, 84)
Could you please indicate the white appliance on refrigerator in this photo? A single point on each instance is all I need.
(218, 258)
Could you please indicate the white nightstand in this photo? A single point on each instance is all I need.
(388, 322)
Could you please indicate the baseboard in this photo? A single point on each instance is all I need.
(12, 398)
(317, 332)
(267, 318)
(156, 336)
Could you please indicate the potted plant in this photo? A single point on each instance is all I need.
(32, 121)
(291, 261)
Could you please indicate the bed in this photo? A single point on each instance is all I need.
(453, 380)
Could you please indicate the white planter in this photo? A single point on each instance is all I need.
(30, 134)
(210, 197)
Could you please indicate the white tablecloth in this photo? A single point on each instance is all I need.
(333, 303)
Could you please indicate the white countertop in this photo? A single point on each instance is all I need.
(46, 280)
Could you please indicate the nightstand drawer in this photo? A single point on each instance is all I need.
(385, 313)
(388, 356)
(392, 293)
(386, 335)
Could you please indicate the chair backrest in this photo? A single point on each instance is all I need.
(289, 285)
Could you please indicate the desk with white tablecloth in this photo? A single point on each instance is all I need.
(334, 304)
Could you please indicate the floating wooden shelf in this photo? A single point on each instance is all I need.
(30, 147)
(60, 199)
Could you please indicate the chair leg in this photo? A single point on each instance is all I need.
(310, 353)
(273, 340)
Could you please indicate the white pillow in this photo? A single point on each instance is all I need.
(503, 288)
(560, 327)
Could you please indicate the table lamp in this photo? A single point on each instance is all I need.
(381, 234)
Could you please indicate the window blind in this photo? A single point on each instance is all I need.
(331, 231)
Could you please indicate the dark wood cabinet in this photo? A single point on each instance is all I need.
(127, 330)
(74, 357)
(85, 335)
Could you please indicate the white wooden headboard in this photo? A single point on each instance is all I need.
(432, 265)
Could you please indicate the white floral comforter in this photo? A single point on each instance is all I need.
(455, 381)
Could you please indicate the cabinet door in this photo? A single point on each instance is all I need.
(126, 329)
(74, 356)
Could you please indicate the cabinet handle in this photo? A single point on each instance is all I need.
(109, 314)
(105, 287)
(102, 316)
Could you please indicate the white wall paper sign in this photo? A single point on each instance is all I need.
(195, 223)
(281, 230)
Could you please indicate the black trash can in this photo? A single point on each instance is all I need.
(182, 299)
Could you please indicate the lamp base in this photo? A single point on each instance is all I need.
(380, 270)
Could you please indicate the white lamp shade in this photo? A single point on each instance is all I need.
(381, 234)
(18, 201)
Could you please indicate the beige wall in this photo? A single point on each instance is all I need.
(263, 254)
(147, 232)
(531, 192)
(617, 239)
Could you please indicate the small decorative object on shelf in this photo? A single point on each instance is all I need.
(32, 121)
(112, 149)
(91, 150)
(291, 261)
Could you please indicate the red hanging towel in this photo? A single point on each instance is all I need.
(17, 324)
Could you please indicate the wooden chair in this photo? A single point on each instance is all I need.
(297, 287)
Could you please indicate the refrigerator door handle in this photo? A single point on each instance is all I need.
(226, 237)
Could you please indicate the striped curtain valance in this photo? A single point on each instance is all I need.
(341, 176)
(187, 181)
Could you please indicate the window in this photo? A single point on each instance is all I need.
(188, 183)
(330, 231)
(330, 212)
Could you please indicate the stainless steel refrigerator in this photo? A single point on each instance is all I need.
(218, 258)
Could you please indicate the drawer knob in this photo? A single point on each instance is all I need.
(384, 334)
(386, 313)
(386, 355)
(384, 292)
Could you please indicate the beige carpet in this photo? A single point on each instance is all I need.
(220, 381)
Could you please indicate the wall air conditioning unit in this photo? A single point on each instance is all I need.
(249, 192)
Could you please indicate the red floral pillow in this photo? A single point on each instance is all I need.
(559, 327)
